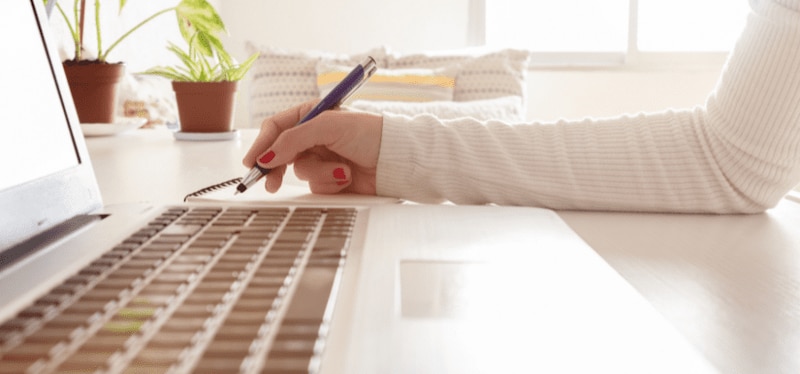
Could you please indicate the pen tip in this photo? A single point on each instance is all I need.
(240, 188)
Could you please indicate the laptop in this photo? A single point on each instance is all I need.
(282, 288)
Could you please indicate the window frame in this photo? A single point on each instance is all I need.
(631, 59)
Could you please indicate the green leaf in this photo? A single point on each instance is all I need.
(222, 54)
(205, 59)
(240, 71)
(203, 43)
(182, 55)
(198, 16)
(167, 72)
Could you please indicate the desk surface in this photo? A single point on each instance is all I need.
(729, 284)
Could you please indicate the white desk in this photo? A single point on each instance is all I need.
(730, 284)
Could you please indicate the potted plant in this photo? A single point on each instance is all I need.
(206, 81)
(93, 82)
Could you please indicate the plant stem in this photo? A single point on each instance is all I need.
(97, 27)
(72, 30)
(103, 56)
(79, 48)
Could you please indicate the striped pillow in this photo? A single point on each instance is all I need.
(280, 79)
(480, 76)
(408, 85)
(508, 108)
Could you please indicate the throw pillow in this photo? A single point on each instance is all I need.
(408, 85)
(508, 108)
(480, 76)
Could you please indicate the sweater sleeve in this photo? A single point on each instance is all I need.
(738, 153)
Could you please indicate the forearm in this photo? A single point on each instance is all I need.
(646, 163)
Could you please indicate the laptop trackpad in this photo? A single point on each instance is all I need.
(442, 289)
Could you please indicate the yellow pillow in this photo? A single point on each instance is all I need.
(410, 85)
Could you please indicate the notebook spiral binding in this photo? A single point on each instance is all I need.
(214, 187)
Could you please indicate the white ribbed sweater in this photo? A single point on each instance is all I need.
(739, 153)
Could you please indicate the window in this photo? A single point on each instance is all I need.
(689, 25)
(610, 32)
(558, 26)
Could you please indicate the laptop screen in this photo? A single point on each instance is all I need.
(46, 175)
(31, 99)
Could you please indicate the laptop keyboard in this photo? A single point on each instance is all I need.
(204, 290)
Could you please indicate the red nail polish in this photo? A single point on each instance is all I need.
(338, 173)
(267, 157)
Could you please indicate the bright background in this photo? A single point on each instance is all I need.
(622, 64)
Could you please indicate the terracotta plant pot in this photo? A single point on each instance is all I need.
(205, 106)
(94, 89)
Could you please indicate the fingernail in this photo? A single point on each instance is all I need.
(341, 183)
(267, 157)
(338, 173)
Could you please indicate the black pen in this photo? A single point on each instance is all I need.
(338, 95)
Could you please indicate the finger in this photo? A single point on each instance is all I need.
(275, 179)
(272, 127)
(319, 173)
(341, 132)
(327, 188)
(323, 177)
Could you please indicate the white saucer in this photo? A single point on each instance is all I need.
(206, 136)
(120, 125)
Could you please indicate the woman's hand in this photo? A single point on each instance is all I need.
(337, 151)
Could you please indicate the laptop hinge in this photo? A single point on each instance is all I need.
(47, 238)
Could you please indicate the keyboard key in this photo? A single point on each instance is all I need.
(271, 281)
(14, 367)
(228, 348)
(286, 366)
(257, 304)
(299, 329)
(191, 260)
(50, 334)
(172, 339)
(205, 297)
(292, 348)
(182, 230)
(174, 278)
(73, 320)
(29, 352)
(151, 299)
(87, 307)
(158, 356)
(189, 310)
(37, 311)
(184, 324)
(217, 365)
(102, 294)
(105, 341)
(86, 362)
(240, 332)
(123, 326)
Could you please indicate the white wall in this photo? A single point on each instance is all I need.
(575, 94)
(347, 26)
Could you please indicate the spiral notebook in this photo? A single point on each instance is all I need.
(292, 190)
